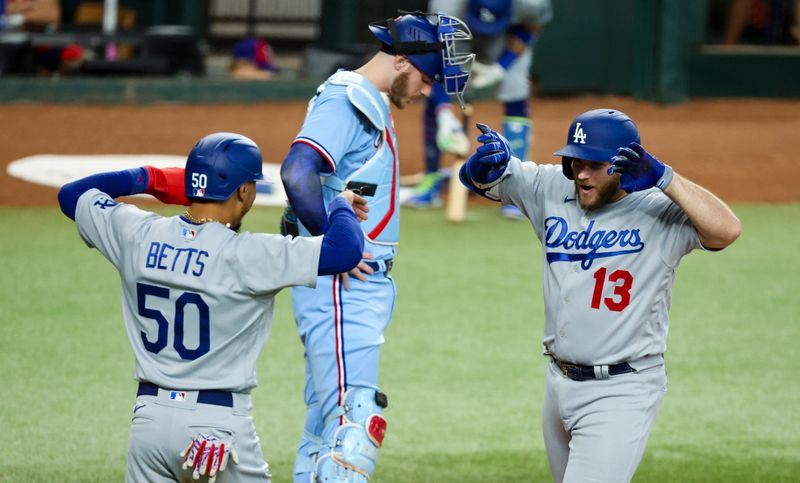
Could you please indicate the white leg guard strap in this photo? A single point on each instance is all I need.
(352, 452)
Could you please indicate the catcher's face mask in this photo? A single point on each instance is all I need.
(431, 46)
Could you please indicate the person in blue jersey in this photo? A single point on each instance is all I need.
(197, 300)
(348, 141)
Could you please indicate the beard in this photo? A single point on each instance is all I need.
(604, 195)
(398, 92)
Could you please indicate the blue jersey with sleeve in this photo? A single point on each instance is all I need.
(348, 123)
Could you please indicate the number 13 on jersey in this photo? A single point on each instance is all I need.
(622, 280)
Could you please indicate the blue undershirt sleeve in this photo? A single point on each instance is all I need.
(343, 243)
(114, 184)
(300, 174)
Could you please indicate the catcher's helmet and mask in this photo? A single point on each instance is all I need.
(595, 136)
(429, 46)
(220, 163)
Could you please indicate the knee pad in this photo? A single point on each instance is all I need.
(352, 452)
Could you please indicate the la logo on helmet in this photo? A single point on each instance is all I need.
(579, 137)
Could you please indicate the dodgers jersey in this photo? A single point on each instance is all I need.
(608, 273)
(197, 300)
(349, 124)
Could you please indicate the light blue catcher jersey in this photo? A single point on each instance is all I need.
(197, 300)
(349, 124)
(608, 273)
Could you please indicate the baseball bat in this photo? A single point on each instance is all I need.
(457, 192)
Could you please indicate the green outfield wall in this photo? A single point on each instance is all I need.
(653, 50)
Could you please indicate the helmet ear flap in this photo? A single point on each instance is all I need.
(566, 167)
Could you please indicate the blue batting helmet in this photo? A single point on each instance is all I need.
(489, 17)
(595, 136)
(429, 46)
(220, 163)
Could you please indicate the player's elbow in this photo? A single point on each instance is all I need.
(733, 231)
(67, 200)
(725, 235)
(287, 176)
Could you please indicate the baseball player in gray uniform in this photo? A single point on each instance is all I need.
(614, 223)
(197, 300)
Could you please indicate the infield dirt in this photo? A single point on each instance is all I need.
(742, 150)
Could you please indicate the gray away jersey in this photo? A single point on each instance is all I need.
(197, 300)
(608, 273)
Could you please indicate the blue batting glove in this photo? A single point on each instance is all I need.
(639, 169)
(489, 161)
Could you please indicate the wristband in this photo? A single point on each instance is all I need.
(665, 178)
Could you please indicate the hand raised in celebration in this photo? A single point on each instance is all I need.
(489, 161)
(639, 169)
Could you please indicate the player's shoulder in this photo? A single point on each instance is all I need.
(543, 170)
(335, 86)
(254, 249)
(98, 202)
(552, 169)
(654, 203)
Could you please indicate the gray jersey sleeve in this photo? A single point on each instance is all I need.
(679, 236)
(103, 223)
(268, 263)
(524, 187)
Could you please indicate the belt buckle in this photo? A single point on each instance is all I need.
(565, 368)
(389, 264)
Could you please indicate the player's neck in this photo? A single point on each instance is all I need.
(379, 70)
(211, 212)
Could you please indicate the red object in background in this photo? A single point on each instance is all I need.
(71, 52)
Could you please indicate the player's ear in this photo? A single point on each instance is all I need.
(242, 192)
(401, 63)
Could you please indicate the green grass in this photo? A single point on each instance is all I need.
(462, 363)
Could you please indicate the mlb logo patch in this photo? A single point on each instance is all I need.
(188, 233)
(199, 192)
(177, 395)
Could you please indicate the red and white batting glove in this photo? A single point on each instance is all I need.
(208, 455)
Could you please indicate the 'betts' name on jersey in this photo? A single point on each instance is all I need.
(197, 299)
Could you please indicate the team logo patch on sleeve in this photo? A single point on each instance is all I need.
(188, 233)
(104, 203)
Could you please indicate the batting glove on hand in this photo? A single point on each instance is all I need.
(208, 455)
(639, 169)
(490, 160)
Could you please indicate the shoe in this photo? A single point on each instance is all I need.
(486, 75)
(450, 135)
(427, 193)
(511, 212)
